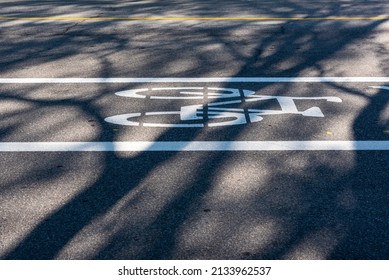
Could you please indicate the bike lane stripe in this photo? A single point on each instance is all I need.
(161, 146)
(196, 80)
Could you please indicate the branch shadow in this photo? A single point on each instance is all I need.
(294, 211)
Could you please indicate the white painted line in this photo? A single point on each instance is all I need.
(196, 80)
(380, 87)
(194, 146)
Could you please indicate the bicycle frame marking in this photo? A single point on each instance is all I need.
(214, 110)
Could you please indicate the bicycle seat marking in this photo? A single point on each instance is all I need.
(219, 107)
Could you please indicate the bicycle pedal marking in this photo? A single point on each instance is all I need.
(215, 109)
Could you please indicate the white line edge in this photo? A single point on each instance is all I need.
(196, 80)
(160, 146)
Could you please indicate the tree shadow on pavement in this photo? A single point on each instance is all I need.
(227, 205)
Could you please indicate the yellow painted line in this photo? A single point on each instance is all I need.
(342, 18)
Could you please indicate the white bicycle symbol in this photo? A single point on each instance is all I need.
(197, 115)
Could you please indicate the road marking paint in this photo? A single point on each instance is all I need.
(380, 87)
(65, 18)
(235, 116)
(178, 146)
(196, 80)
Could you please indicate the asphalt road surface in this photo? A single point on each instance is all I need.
(194, 129)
